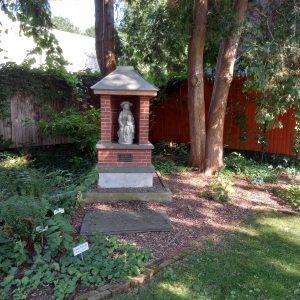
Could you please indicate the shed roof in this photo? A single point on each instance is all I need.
(124, 81)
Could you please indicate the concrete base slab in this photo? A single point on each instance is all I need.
(117, 222)
(159, 192)
(124, 180)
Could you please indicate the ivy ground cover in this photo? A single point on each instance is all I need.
(36, 243)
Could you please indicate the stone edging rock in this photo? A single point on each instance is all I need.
(151, 269)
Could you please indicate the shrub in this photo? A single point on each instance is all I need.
(220, 190)
(79, 127)
(178, 152)
(291, 195)
(167, 167)
(248, 168)
(21, 214)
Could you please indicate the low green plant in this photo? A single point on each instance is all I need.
(248, 168)
(81, 128)
(291, 195)
(31, 258)
(168, 166)
(58, 236)
(105, 261)
(219, 190)
(177, 152)
(21, 214)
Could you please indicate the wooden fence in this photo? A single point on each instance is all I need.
(21, 129)
(170, 121)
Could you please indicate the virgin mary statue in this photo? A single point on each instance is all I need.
(126, 124)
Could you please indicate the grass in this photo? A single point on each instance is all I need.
(260, 260)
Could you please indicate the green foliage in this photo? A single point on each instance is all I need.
(168, 167)
(291, 195)
(248, 168)
(30, 259)
(90, 31)
(35, 21)
(79, 127)
(36, 184)
(147, 38)
(43, 85)
(105, 261)
(64, 24)
(154, 36)
(178, 152)
(21, 214)
(220, 189)
(58, 235)
(170, 158)
(272, 57)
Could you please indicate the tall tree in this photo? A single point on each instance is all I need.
(155, 34)
(223, 78)
(104, 34)
(196, 103)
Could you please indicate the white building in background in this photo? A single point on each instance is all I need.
(78, 50)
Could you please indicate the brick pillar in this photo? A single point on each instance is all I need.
(144, 120)
(105, 119)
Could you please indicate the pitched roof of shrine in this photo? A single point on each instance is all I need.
(124, 81)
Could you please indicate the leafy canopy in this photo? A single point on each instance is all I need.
(65, 24)
(34, 18)
(273, 58)
(154, 35)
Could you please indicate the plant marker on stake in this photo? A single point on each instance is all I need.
(59, 211)
(80, 249)
(41, 229)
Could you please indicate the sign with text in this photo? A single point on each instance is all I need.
(81, 248)
(59, 211)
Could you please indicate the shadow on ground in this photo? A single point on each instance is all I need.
(261, 260)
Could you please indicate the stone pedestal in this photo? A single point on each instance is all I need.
(125, 165)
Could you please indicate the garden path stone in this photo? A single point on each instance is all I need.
(117, 222)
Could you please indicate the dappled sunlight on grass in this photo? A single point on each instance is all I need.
(259, 260)
(177, 290)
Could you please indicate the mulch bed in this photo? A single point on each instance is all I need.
(191, 215)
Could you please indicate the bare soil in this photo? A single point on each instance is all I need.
(193, 216)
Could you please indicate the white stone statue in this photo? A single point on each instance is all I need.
(126, 124)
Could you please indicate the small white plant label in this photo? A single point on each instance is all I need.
(41, 229)
(81, 248)
(59, 211)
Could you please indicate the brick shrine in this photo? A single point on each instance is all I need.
(124, 165)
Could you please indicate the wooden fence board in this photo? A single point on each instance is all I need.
(170, 121)
(21, 126)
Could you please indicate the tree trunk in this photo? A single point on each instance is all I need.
(104, 35)
(196, 102)
(224, 74)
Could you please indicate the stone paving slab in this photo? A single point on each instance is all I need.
(117, 222)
